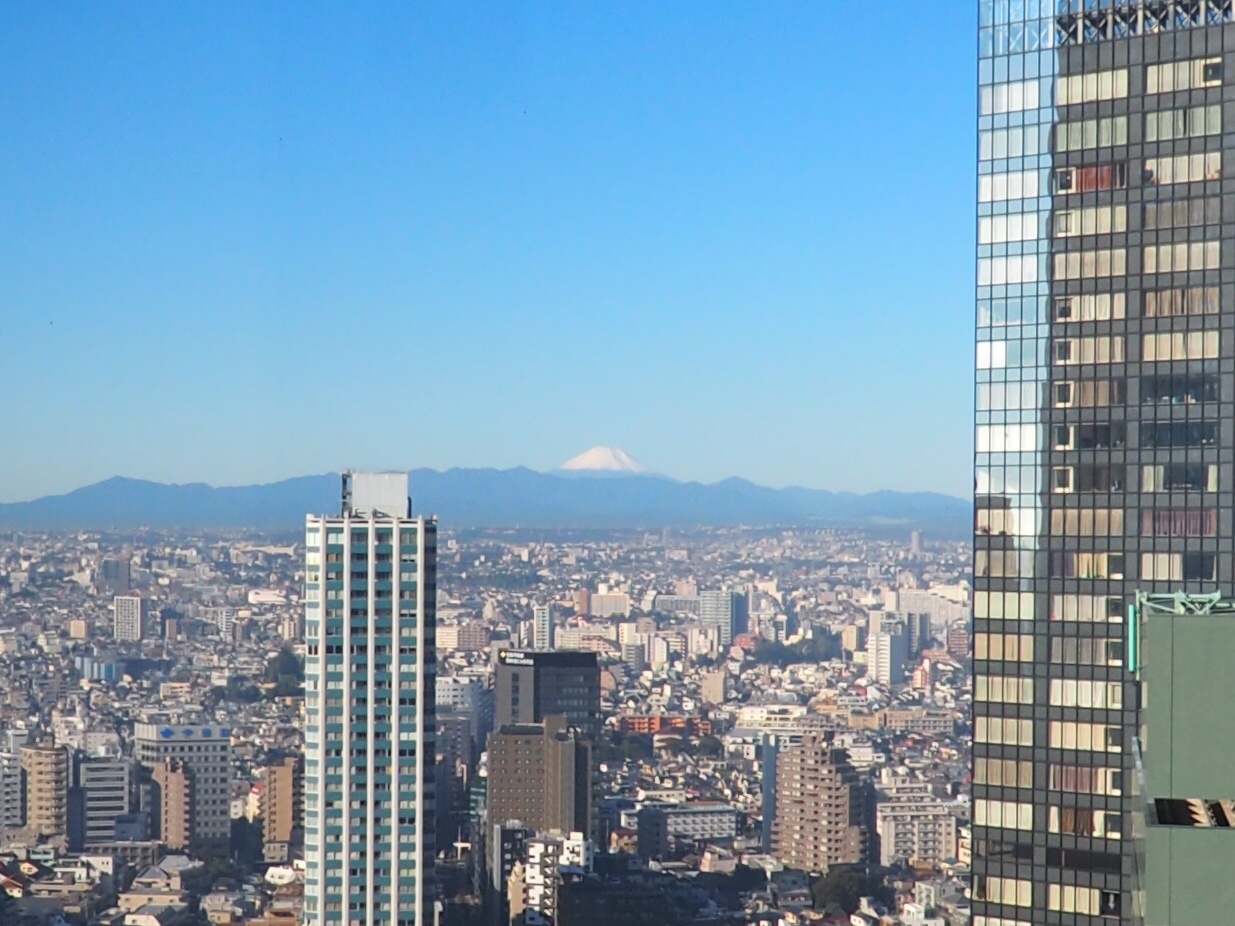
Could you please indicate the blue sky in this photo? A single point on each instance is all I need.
(247, 241)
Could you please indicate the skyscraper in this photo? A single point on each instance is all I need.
(1104, 352)
(542, 627)
(530, 687)
(725, 610)
(127, 623)
(370, 593)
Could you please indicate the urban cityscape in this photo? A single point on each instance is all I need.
(674, 726)
(657, 702)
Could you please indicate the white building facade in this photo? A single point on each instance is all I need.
(370, 591)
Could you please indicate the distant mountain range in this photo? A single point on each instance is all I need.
(465, 498)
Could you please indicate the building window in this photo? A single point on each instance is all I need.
(1092, 133)
(1183, 168)
(1091, 87)
(1183, 75)
(1194, 122)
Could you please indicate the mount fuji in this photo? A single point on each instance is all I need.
(603, 460)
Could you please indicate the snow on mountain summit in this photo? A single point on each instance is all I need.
(604, 459)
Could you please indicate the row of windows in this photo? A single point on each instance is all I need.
(1019, 438)
(1182, 75)
(1086, 779)
(1003, 689)
(1008, 773)
(1157, 303)
(1157, 477)
(1104, 263)
(1179, 257)
(1061, 734)
(1014, 892)
(1087, 651)
(1071, 692)
(1094, 86)
(1064, 692)
(1089, 901)
(1012, 815)
(1019, 606)
(1162, 171)
(1009, 647)
(1008, 564)
(1167, 125)
(1003, 731)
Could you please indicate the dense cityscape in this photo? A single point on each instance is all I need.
(601, 695)
(716, 726)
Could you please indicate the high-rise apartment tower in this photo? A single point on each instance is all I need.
(127, 619)
(542, 627)
(1105, 361)
(370, 591)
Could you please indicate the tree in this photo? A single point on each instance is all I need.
(841, 890)
(819, 648)
(286, 673)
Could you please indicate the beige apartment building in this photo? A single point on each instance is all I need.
(824, 811)
(47, 789)
(173, 781)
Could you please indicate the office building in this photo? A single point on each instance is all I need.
(609, 604)
(1103, 433)
(468, 697)
(531, 686)
(886, 652)
(113, 575)
(46, 769)
(370, 614)
(918, 630)
(206, 751)
(172, 810)
(726, 611)
(98, 797)
(664, 826)
(824, 810)
(127, 623)
(541, 775)
(542, 627)
(281, 808)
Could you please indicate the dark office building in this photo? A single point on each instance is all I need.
(531, 686)
(114, 575)
(1105, 358)
(541, 775)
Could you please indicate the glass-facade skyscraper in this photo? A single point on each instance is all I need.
(370, 726)
(1104, 393)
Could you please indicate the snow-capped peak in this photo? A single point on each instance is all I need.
(604, 459)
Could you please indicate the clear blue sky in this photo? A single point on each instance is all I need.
(242, 242)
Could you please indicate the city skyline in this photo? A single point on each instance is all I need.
(655, 210)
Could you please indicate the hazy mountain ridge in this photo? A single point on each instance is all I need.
(483, 498)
